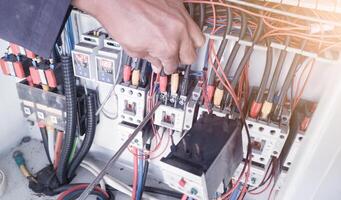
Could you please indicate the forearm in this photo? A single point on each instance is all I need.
(33, 24)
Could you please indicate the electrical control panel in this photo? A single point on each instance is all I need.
(241, 106)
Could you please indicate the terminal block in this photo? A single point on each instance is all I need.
(42, 106)
(15, 65)
(208, 153)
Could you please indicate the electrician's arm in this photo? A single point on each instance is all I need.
(33, 24)
(160, 31)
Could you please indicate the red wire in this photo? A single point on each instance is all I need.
(80, 187)
(184, 197)
(58, 147)
(272, 189)
(167, 144)
(133, 195)
(300, 93)
(264, 189)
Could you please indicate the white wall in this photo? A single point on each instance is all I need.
(316, 171)
(12, 124)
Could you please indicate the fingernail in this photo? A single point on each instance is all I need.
(169, 70)
(156, 69)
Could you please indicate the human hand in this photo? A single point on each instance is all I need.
(160, 31)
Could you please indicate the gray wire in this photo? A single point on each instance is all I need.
(112, 90)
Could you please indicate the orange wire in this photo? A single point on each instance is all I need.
(244, 10)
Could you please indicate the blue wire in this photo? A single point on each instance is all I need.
(70, 32)
(140, 175)
(236, 192)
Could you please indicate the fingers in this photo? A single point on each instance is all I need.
(187, 52)
(156, 63)
(170, 65)
(169, 45)
(167, 52)
(135, 54)
(193, 29)
(195, 34)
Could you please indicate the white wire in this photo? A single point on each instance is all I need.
(92, 171)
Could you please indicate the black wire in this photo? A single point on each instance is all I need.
(202, 15)
(75, 194)
(288, 79)
(236, 48)
(241, 66)
(224, 41)
(129, 60)
(222, 45)
(277, 73)
(143, 74)
(185, 81)
(44, 136)
(266, 74)
(247, 54)
(162, 192)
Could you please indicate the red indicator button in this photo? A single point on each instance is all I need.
(182, 182)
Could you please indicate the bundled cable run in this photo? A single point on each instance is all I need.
(71, 115)
(89, 136)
